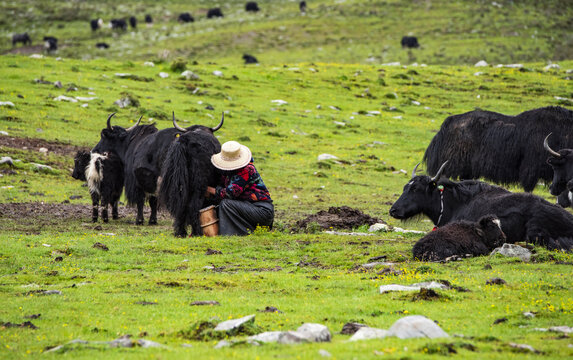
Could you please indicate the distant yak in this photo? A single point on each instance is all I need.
(133, 22)
(252, 6)
(214, 12)
(185, 18)
(250, 59)
(50, 43)
(102, 45)
(96, 24)
(410, 42)
(22, 38)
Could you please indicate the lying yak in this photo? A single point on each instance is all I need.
(562, 164)
(185, 175)
(104, 175)
(460, 238)
(523, 216)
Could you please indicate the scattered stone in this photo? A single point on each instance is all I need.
(416, 326)
(552, 66)
(83, 98)
(189, 75)
(6, 160)
(334, 108)
(495, 281)
(146, 303)
(389, 271)
(51, 292)
(123, 103)
(524, 347)
(499, 321)
(163, 75)
(375, 264)
(351, 328)
(217, 73)
(379, 227)
(7, 103)
(271, 309)
(33, 316)
(481, 63)
(529, 315)
(563, 329)
(213, 252)
(279, 102)
(426, 294)
(4, 133)
(233, 326)
(324, 353)
(291, 337)
(58, 84)
(205, 302)
(26, 324)
(366, 333)
(323, 157)
(512, 250)
(149, 63)
(413, 287)
(315, 332)
(100, 246)
(267, 337)
(65, 98)
(36, 56)
(512, 66)
(223, 343)
(400, 230)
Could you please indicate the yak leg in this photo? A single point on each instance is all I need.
(114, 210)
(104, 214)
(139, 203)
(95, 206)
(180, 225)
(153, 205)
(193, 213)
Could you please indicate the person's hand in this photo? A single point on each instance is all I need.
(210, 191)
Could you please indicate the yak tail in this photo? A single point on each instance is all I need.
(175, 179)
(94, 173)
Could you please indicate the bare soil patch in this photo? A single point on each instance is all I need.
(55, 147)
(343, 217)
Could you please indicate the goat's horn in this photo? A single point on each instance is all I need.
(546, 146)
(437, 176)
(177, 126)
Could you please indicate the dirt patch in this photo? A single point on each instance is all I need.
(54, 147)
(342, 217)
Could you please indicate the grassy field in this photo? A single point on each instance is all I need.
(377, 119)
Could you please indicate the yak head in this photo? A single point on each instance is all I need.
(113, 138)
(198, 128)
(489, 229)
(562, 163)
(420, 196)
(81, 162)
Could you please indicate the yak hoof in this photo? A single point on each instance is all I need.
(152, 222)
(180, 234)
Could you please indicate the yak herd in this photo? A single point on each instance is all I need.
(172, 167)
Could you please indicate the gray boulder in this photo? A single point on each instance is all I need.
(512, 250)
(416, 326)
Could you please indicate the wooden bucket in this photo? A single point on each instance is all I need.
(209, 221)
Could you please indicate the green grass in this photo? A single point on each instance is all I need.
(309, 277)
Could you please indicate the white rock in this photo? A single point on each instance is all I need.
(392, 64)
(41, 167)
(375, 112)
(43, 150)
(323, 157)
(417, 103)
(552, 66)
(149, 344)
(413, 287)
(481, 63)
(291, 337)
(478, 73)
(82, 98)
(4, 133)
(163, 75)
(315, 332)
(324, 353)
(85, 105)
(65, 98)
(377, 263)
(189, 75)
(366, 333)
(334, 107)
(378, 227)
(267, 337)
(223, 344)
(149, 63)
(279, 102)
(36, 56)
(217, 73)
(512, 250)
(339, 123)
(529, 315)
(416, 326)
(6, 160)
(230, 325)
(563, 329)
(513, 66)
(400, 230)
(7, 103)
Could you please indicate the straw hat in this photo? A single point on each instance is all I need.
(233, 156)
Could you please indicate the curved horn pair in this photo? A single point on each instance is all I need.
(130, 128)
(546, 146)
(185, 130)
(440, 171)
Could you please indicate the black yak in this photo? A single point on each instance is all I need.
(50, 43)
(96, 24)
(148, 19)
(102, 45)
(214, 12)
(250, 59)
(523, 216)
(22, 38)
(252, 6)
(409, 42)
(186, 173)
(125, 143)
(460, 238)
(133, 22)
(500, 148)
(104, 175)
(302, 6)
(562, 164)
(118, 24)
(185, 18)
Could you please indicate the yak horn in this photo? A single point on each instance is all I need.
(437, 176)
(177, 126)
(414, 171)
(109, 121)
(546, 146)
(133, 127)
(220, 124)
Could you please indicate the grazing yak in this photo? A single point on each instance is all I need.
(102, 45)
(562, 164)
(252, 6)
(21, 38)
(185, 18)
(302, 6)
(214, 12)
(186, 173)
(500, 148)
(460, 238)
(148, 19)
(523, 216)
(250, 59)
(50, 43)
(126, 144)
(118, 24)
(410, 42)
(133, 22)
(104, 175)
(96, 24)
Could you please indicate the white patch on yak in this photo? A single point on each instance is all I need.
(497, 222)
(570, 196)
(94, 175)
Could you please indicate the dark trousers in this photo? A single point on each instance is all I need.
(242, 217)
